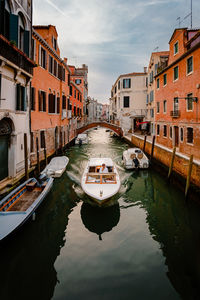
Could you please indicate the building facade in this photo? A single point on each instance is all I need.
(16, 69)
(50, 109)
(157, 59)
(177, 94)
(128, 100)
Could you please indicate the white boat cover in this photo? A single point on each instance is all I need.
(82, 136)
(56, 165)
(100, 160)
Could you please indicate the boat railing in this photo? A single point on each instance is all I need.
(101, 178)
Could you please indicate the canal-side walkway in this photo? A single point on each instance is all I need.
(163, 155)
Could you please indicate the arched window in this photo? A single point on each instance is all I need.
(6, 20)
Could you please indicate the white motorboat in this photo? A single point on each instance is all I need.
(56, 167)
(135, 158)
(100, 186)
(17, 207)
(81, 139)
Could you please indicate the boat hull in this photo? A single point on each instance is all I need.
(11, 221)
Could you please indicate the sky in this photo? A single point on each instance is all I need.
(113, 37)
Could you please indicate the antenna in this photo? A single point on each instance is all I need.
(156, 49)
(190, 14)
(179, 21)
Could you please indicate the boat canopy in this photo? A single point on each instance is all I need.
(99, 161)
(82, 136)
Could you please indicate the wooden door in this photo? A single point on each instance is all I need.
(3, 156)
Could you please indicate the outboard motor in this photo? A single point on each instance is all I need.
(136, 162)
(42, 178)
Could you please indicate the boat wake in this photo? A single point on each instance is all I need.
(74, 178)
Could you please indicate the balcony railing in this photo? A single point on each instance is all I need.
(175, 113)
(15, 56)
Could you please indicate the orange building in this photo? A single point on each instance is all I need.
(177, 94)
(79, 78)
(50, 94)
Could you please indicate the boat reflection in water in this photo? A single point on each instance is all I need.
(100, 219)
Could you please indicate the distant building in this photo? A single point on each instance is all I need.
(16, 69)
(177, 94)
(128, 100)
(105, 112)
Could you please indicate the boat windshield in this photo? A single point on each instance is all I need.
(105, 178)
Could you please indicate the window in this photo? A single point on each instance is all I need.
(151, 77)
(158, 129)
(115, 89)
(164, 79)
(152, 112)
(42, 57)
(119, 85)
(176, 73)
(32, 98)
(42, 100)
(176, 104)
(158, 107)
(181, 134)
(190, 65)
(52, 103)
(190, 135)
(156, 68)
(165, 130)
(55, 68)
(78, 81)
(189, 102)
(126, 83)
(158, 83)
(70, 90)
(63, 102)
(21, 98)
(165, 106)
(42, 139)
(146, 81)
(21, 32)
(80, 98)
(54, 43)
(147, 99)
(50, 64)
(151, 96)
(170, 132)
(126, 101)
(74, 93)
(175, 48)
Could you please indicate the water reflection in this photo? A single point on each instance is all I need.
(100, 219)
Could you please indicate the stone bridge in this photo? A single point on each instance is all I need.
(116, 129)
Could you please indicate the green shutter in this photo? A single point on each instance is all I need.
(14, 28)
(26, 42)
(18, 97)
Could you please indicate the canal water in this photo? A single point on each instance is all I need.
(146, 245)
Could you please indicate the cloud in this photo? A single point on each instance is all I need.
(112, 36)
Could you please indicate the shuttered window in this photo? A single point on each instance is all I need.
(51, 103)
(21, 98)
(58, 105)
(126, 101)
(50, 64)
(32, 98)
(63, 102)
(42, 100)
(190, 135)
(126, 83)
(42, 139)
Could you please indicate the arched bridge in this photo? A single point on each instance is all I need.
(110, 126)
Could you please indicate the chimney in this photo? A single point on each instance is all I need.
(65, 60)
(145, 69)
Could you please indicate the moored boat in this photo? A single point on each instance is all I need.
(18, 206)
(81, 139)
(100, 186)
(135, 158)
(56, 167)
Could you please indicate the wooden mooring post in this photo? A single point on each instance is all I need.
(189, 175)
(152, 148)
(172, 162)
(145, 139)
(26, 156)
(38, 156)
(45, 151)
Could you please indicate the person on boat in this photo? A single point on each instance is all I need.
(103, 169)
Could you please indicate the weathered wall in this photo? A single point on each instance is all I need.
(163, 155)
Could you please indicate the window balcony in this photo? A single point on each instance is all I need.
(11, 53)
(175, 113)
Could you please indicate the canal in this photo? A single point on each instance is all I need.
(146, 245)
